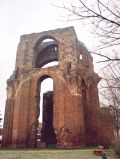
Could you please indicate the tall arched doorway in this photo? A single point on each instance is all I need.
(46, 56)
(46, 133)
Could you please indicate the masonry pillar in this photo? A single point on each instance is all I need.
(20, 115)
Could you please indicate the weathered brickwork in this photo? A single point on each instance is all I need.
(48, 133)
(76, 112)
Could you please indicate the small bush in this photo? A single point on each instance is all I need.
(116, 146)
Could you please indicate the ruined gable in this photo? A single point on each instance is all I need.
(75, 115)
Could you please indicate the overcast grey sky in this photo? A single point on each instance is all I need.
(19, 17)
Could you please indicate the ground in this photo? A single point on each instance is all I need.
(49, 154)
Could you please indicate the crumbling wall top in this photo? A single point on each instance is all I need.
(28, 47)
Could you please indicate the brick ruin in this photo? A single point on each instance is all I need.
(71, 113)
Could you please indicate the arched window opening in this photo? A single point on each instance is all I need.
(46, 85)
(46, 132)
(84, 98)
(84, 101)
(46, 51)
(83, 89)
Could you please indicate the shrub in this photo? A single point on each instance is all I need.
(116, 146)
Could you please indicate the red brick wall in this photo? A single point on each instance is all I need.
(75, 125)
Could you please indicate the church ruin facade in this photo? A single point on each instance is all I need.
(71, 112)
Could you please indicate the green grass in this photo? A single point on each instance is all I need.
(47, 154)
(48, 148)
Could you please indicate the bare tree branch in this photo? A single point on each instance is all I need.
(104, 17)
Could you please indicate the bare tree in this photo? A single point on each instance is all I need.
(104, 18)
(110, 91)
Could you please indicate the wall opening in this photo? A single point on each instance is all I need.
(46, 51)
(46, 132)
(54, 63)
(81, 57)
(85, 108)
